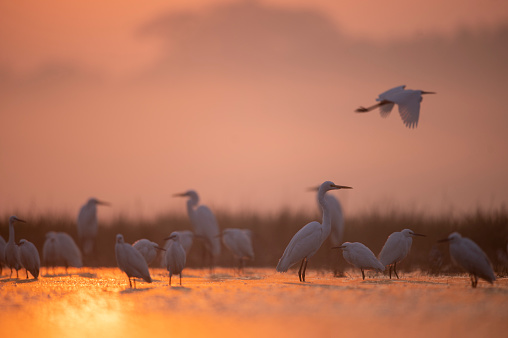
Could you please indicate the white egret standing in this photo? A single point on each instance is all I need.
(470, 257)
(186, 239)
(337, 232)
(29, 257)
(175, 257)
(408, 101)
(12, 258)
(239, 242)
(204, 223)
(147, 249)
(59, 249)
(130, 261)
(2, 253)
(360, 256)
(87, 225)
(307, 241)
(396, 248)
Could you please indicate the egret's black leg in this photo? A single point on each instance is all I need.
(11, 274)
(395, 270)
(180, 278)
(363, 274)
(26, 273)
(300, 271)
(17, 275)
(390, 271)
(304, 269)
(169, 279)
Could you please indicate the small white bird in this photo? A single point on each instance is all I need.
(396, 248)
(408, 101)
(59, 249)
(470, 257)
(186, 239)
(204, 224)
(29, 257)
(87, 225)
(147, 249)
(175, 257)
(360, 256)
(307, 241)
(12, 258)
(131, 262)
(2, 253)
(239, 242)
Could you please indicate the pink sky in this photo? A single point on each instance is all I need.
(250, 103)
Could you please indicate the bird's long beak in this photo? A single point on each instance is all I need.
(159, 248)
(342, 187)
(170, 237)
(444, 240)
(20, 220)
(415, 234)
(104, 203)
(428, 92)
(183, 194)
(339, 247)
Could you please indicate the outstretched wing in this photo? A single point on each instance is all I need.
(409, 107)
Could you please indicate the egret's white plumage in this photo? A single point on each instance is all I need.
(360, 256)
(2, 253)
(12, 258)
(59, 249)
(408, 101)
(147, 249)
(307, 241)
(186, 239)
(175, 257)
(204, 224)
(87, 225)
(239, 242)
(469, 256)
(29, 257)
(130, 261)
(396, 248)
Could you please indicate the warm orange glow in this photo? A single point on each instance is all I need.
(258, 303)
(249, 103)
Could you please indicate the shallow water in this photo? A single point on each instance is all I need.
(261, 302)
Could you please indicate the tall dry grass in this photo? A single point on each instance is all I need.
(272, 232)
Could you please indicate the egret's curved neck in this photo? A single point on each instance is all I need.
(327, 221)
(191, 204)
(11, 232)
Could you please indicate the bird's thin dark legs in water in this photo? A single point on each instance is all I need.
(26, 273)
(304, 269)
(474, 280)
(395, 270)
(10, 274)
(390, 271)
(300, 271)
(169, 279)
(363, 274)
(180, 278)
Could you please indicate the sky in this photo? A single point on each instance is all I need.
(250, 103)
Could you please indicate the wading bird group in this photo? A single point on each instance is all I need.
(60, 249)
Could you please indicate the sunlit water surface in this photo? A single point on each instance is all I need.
(259, 303)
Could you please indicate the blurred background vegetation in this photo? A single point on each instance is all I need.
(272, 232)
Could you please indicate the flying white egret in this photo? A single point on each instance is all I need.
(204, 224)
(87, 225)
(175, 257)
(307, 241)
(239, 242)
(12, 258)
(2, 253)
(470, 257)
(29, 257)
(186, 239)
(396, 248)
(408, 101)
(360, 256)
(147, 249)
(130, 261)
